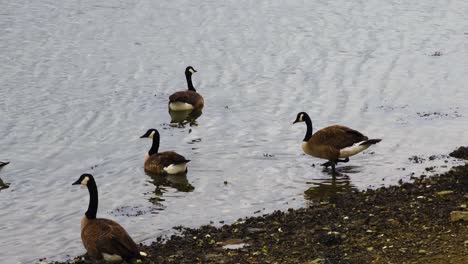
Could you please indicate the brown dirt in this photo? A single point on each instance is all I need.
(409, 223)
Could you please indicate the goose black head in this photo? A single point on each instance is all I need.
(84, 179)
(151, 133)
(301, 117)
(190, 70)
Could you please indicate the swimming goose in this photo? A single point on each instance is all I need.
(189, 99)
(333, 142)
(167, 162)
(3, 163)
(105, 240)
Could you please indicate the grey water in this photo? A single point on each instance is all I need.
(82, 80)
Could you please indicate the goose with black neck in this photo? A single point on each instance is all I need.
(167, 162)
(333, 142)
(189, 99)
(104, 239)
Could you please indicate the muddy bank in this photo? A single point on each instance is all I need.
(418, 222)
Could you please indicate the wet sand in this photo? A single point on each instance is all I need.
(415, 222)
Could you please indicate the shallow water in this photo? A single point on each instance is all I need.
(82, 81)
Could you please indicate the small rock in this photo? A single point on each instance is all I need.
(443, 193)
(393, 222)
(316, 261)
(422, 251)
(370, 249)
(212, 256)
(460, 153)
(253, 230)
(458, 216)
(330, 239)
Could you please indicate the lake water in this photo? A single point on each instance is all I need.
(82, 80)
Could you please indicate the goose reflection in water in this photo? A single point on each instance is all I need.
(2, 184)
(329, 188)
(163, 182)
(185, 117)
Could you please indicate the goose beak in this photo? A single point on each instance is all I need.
(78, 182)
(295, 122)
(143, 136)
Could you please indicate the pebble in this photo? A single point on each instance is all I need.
(316, 261)
(443, 193)
(458, 216)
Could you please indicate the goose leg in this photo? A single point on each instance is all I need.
(329, 163)
(333, 168)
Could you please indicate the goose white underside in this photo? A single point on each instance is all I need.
(180, 106)
(353, 150)
(176, 168)
(111, 258)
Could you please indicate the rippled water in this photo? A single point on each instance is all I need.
(81, 81)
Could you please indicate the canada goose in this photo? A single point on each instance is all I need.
(186, 100)
(167, 162)
(105, 240)
(333, 142)
(3, 163)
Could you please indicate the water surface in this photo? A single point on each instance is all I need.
(81, 81)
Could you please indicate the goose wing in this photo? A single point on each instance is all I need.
(337, 137)
(107, 236)
(168, 157)
(189, 97)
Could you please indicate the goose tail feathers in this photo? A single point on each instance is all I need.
(371, 141)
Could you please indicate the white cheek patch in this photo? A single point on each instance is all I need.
(85, 181)
(301, 118)
(151, 135)
(192, 70)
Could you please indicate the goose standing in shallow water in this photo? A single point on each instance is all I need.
(167, 162)
(105, 240)
(333, 142)
(189, 99)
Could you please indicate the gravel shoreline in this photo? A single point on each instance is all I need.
(420, 222)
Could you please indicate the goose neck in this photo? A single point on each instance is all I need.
(308, 134)
(188, 76)
(93, 200)
(155, 147)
